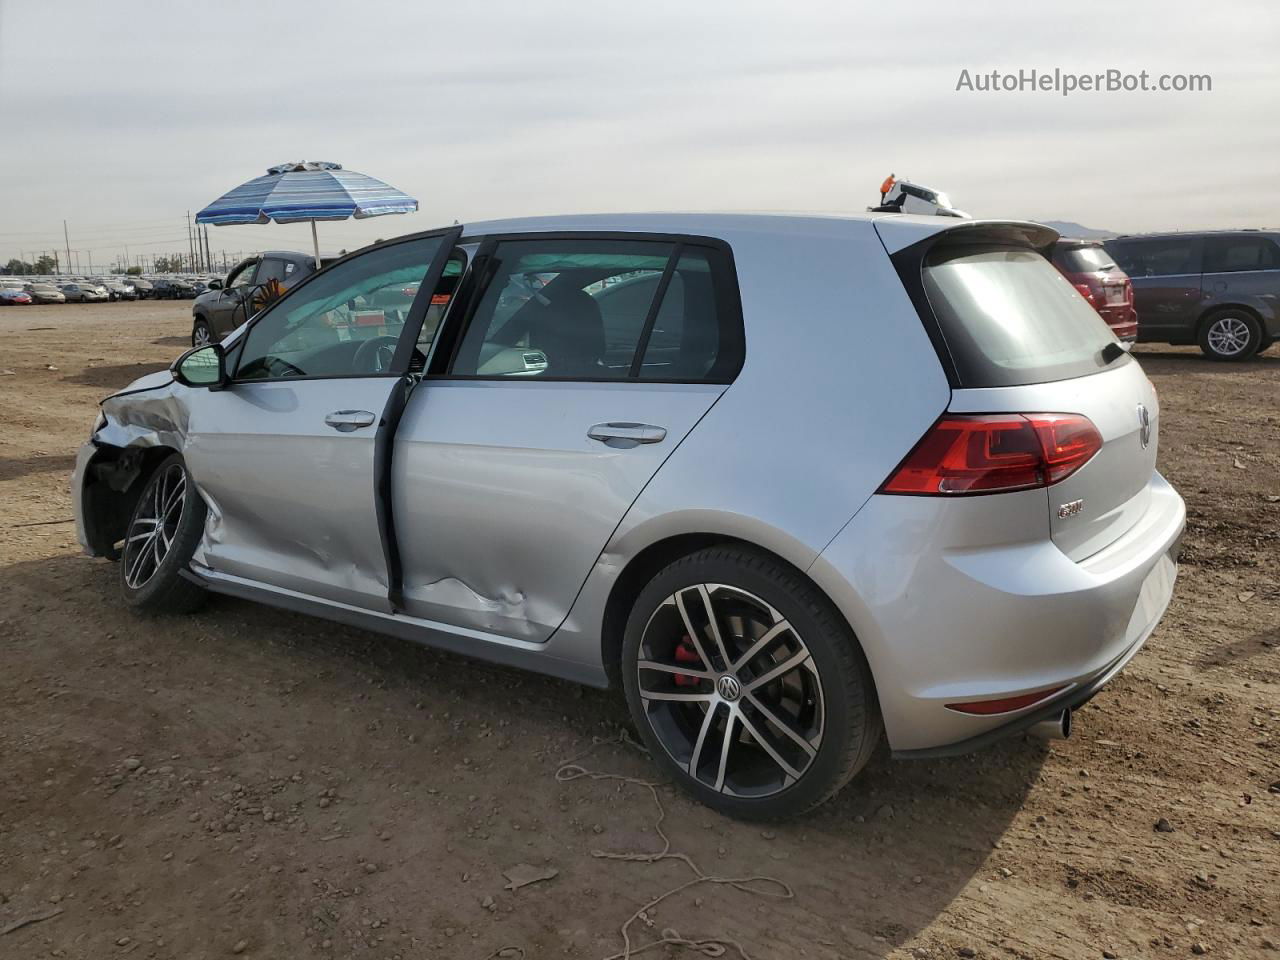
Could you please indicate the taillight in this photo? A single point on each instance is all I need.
(1085, 291)
(995, 453)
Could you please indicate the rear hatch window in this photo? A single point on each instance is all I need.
(1083, 259)
(1007, 317)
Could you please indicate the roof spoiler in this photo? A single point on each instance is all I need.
(899, 233)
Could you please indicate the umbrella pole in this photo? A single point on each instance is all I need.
(315, 240)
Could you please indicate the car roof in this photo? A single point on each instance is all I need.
(283, 255)
(1239, 231)
(897, 230)
(707, 223)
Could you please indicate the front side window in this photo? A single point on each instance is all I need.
(344, 322)
(588, 309)
(271, 269)
(441, 297)
(1238, 254)
(243, 277)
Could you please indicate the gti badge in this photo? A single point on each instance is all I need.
(1067, 510)
(1144, 425)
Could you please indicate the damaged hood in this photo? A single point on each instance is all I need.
(149, 412)
(147, 382)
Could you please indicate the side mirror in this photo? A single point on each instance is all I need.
(201, 367)
(215, 284)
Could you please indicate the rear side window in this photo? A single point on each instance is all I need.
(604, 309)
(1007, 317)
(1238, 254)
(1157, 258)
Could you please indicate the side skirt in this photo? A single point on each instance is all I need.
(430, 633)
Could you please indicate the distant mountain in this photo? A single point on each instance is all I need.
(1069, 229)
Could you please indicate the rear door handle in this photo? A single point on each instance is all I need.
(348, 420)
(626, 434)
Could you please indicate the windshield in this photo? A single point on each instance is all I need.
(1009, 317)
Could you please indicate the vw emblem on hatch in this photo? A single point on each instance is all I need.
(1144, 425)
(728, 688)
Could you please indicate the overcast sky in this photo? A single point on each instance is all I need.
(122, 116)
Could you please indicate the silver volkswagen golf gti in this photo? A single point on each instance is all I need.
(794, 484)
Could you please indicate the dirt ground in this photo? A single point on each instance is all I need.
(257, 782)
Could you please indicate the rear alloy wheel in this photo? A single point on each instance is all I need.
(200, 334)
(1231, 335)
(746, 685)
(160, 540)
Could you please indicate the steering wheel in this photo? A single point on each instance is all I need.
(277, 367)
(375, 355)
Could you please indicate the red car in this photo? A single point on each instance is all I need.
(1095, 274)
(9, 296)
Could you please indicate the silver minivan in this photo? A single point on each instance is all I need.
(793, 485)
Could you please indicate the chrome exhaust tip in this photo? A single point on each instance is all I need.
(1055, 728)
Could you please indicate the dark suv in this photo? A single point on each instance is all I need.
(1217, 289)
(251, 285)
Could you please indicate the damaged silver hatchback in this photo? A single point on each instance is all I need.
(794, 484)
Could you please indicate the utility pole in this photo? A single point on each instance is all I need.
(68, 242)
(90, 252)
(191, 241)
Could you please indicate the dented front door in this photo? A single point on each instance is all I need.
(287, 454)
(290, 494)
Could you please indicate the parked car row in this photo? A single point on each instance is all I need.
(1219, 289)
(100, 289)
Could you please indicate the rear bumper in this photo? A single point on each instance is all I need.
(1074, 698)
(996, 618)
(1123, 321)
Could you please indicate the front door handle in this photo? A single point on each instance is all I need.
(624, 435)
(348, 420)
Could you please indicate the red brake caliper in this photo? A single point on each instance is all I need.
(686, 654)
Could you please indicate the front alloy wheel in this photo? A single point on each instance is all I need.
(161, 538)
(200, 335)
(746, 684)
(154, 525)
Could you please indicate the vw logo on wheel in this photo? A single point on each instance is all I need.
(728, 688)
(1144, 425)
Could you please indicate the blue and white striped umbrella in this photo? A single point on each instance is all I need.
(309, 191)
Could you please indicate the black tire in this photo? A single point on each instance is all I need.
(160, 587)
(849, 727)
(201, 324)
(1222, 330)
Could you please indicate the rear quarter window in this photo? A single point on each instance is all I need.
(1008, 317)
